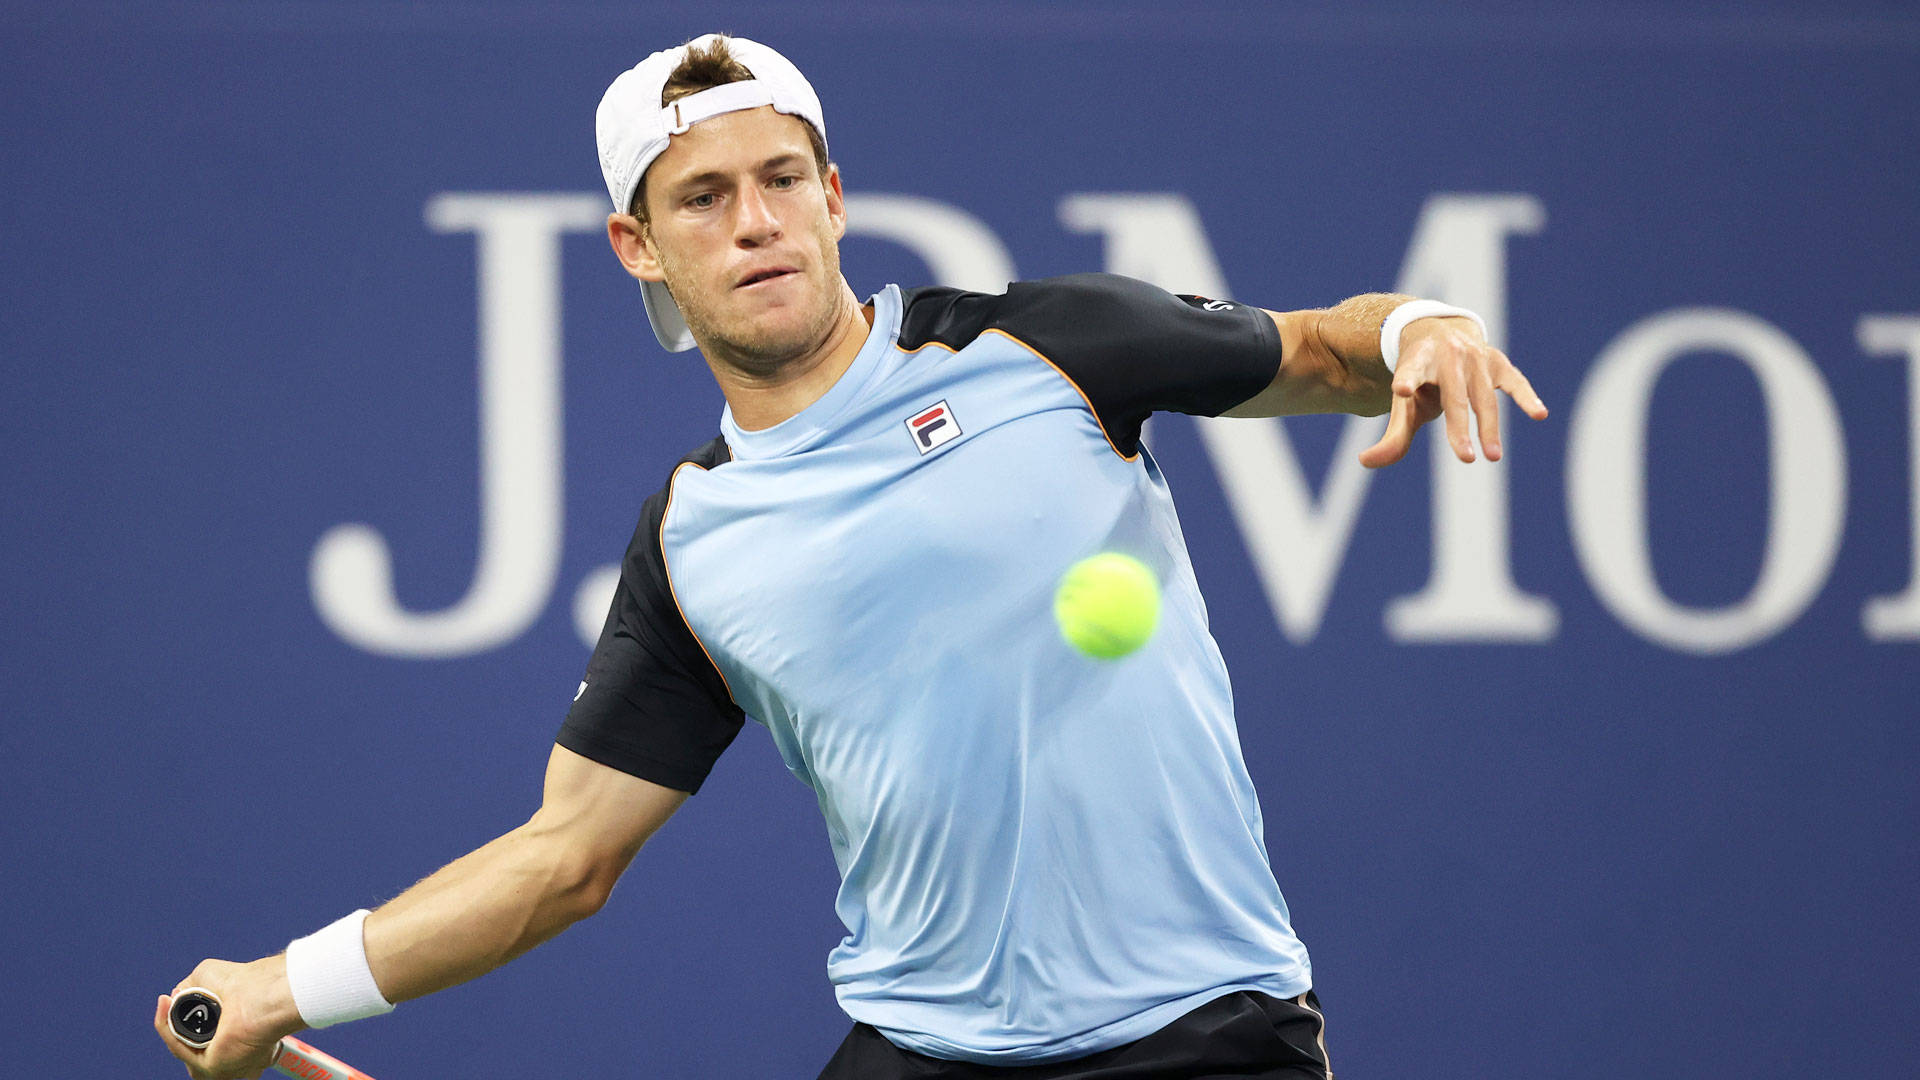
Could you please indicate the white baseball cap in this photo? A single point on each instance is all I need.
(634, 128)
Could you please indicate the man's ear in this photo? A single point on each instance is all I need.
(634, 245)
(836, 202)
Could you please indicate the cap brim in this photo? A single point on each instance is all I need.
(664, 313)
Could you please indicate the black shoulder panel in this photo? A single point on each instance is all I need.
(652, 704)
(1130, 347)
(713, 455)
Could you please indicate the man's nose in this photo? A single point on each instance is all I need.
(756, 223)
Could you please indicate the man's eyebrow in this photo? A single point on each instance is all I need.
(779, 161)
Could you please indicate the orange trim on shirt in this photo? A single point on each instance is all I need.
(661, 539)
(1057, 370)
(1076, 389)
(930, 344)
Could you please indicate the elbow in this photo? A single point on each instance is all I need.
(567, 876)
(594, 892)
(586, 884)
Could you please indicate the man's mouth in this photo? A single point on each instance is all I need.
(768, 274)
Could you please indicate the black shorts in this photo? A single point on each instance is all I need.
(1243, 1034)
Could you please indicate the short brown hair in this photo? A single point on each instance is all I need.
(703, 68)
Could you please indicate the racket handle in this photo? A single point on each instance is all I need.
(195, 1016)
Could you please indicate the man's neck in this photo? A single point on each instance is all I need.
(759, 402)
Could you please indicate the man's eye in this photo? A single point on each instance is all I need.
(785, 182)
(701, 202)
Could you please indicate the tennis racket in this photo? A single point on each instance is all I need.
(195, 1016)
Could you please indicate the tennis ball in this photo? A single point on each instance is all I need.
(1107, 605)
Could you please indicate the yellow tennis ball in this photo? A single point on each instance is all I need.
(1107, 605)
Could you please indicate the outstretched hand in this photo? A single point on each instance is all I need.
(1447, 369)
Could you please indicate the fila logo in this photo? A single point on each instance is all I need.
(933, 426)
(1217, 305)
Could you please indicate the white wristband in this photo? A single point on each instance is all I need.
(328, 974)
(1409, 311)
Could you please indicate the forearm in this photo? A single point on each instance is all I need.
(1354, 376)
(1351, 328)
(473, 915)
(481, 911)
(1330, 361)
(470, 917)
(1349, 334)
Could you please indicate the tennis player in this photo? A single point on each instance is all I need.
(1047, 861)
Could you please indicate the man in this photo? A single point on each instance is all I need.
(1047, 861)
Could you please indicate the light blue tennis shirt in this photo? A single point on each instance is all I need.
(1042, 855)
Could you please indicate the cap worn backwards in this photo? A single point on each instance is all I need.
(633, 129)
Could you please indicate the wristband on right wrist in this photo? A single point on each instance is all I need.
(328, 975)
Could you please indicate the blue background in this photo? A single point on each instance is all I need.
(227, 330)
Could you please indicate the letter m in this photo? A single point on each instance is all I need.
(1297, 538)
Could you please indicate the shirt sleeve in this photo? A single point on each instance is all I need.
(1132, 348)
(652, 704)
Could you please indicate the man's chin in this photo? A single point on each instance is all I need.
(773, 333)
(767, 344)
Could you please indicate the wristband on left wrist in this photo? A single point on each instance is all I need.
(1397, 320)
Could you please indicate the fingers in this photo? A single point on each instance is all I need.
(1486, 408)
(196, 1060)
(243, 1046)
(1447, 375)
(1412, 373)
(1521, 391)
(187, 1055)
(178, 1048)
(1397, 439)
(167, 1037)
(1430, 381)
(1454, 410)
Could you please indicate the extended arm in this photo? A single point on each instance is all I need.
(468, 918)
(1331, 363)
